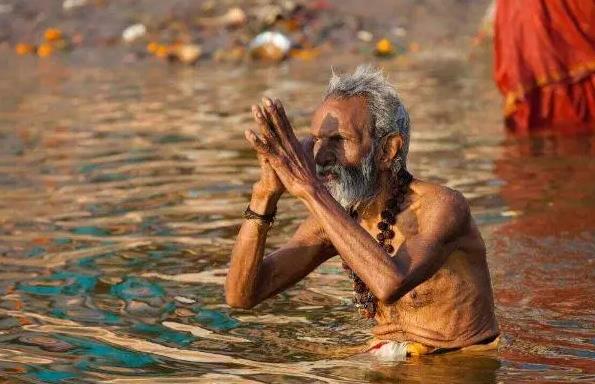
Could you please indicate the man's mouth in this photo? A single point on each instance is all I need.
(327, 176)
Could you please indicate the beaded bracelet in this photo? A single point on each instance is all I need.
(267, 219)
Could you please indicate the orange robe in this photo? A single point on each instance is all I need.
(545, 64)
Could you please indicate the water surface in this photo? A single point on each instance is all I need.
(121, 192)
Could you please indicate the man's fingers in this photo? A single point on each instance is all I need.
(258, 143)
(264, 126)
(282, 127)
(281, 111)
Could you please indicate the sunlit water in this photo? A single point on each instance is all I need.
(121, 192)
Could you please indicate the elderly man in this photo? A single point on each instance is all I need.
(416, 258)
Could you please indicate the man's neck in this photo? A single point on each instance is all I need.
(371, 208)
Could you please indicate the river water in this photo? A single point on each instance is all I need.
(121, 192)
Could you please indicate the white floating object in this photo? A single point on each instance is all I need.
(184, 300)
(270, 46)
(67, 5)
(134, 32)
(365, 36)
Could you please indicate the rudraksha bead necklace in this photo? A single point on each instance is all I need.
(363, 299)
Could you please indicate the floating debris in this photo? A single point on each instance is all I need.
(185, 53)
(52, 35)
(234, 54)
(270, 46)
(365, 36)
(134, 32)
(68, 5)
(45, 50)
(305, 53)
(233, 18)
(24, 49)
(384, 47)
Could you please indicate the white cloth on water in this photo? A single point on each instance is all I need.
(391, 351)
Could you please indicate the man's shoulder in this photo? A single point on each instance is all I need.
(436, 194)
(441, 203)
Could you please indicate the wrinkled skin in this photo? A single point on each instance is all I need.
(435, 288)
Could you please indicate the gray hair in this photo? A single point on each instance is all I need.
(386, 110)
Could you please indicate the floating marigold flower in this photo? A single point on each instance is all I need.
(304, 54)
(52, 34)
(45, 50)
(24, 49)
(152, 47)
(384, 47)
(162, 51)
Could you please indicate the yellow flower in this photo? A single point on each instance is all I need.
(52, 34)
(162, 51)
(384, 47)
(152, 47)
(24, 49)
(45, 50)
(304, 54)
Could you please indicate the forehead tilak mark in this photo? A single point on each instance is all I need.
(329, 123)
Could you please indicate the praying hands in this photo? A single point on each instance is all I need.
(278, 148)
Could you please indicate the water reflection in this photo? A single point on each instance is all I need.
(121, 192)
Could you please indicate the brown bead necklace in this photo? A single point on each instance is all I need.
(363, 299)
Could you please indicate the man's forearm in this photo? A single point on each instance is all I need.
(355, 246)
(241, 287)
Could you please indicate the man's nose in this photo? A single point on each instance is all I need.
(324, 157)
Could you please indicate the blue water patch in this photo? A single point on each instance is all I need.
(105, 353)
(74, 284)
(50, 376)
(173, 138)
(88, 168)
(98, 316)
(62, 241)
(90, 230)
(164, 334)
(135, 288)
(577, 352)
(35, 251)
(535, 367)
(108, 177)
(215, 320)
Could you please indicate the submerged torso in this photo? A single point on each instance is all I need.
(454, 307)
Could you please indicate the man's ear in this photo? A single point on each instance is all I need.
(389, 149)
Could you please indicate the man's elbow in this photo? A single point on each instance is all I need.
(238, 301)
(389, 293)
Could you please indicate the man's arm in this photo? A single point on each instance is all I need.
(443, 219)
(253, 278)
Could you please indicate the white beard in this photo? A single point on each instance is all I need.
(354, 184)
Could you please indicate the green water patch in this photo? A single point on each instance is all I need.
(215, 320)
(87, 315)
(35, 251)
(88, 168)
(49, 375)
(105, 354)
(106, 177)
(90, 230)
(135, 288)
(73, 284)
(173, 138)
(163, 334)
